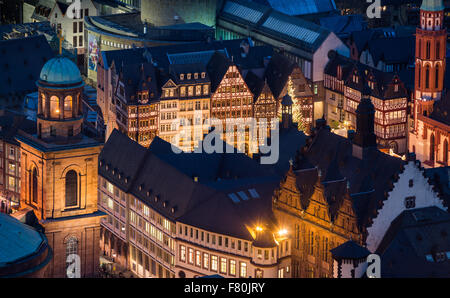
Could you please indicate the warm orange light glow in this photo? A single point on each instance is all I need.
(282, 232)
(259, 229)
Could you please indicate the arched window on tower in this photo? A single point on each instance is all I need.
(68, 107)
(71, 189)
(427, 77)
(428, 50)
(54, 107)
(432, 147)
(445, 153)
(438, 49)
(34, 186)
(436, 78)
(420, 48)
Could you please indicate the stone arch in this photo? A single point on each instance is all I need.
(394, 146)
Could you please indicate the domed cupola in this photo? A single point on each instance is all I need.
(60, 71)
(60, 88)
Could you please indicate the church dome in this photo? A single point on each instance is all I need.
(60, 71)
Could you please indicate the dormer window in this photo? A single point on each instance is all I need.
(182, 76)
(396, 88)
(188, 76)
(203, 75)
(195, 75)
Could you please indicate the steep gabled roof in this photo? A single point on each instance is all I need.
(328, 148)
(217, 67)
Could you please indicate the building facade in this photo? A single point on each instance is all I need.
(429, 136)
(59, 171)
(344, 82)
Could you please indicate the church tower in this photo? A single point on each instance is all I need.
(59, 173)
(430, 57)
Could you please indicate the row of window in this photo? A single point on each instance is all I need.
(213, 239)
(212, 262)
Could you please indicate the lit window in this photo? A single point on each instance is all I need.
(223, 265)
(182, 253)
(205, 260)
(198, 258)
(232, 267)
(243, 271)
(214, 263)
(191, 256)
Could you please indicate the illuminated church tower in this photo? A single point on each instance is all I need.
(429, 136)
(430, 57)
(59, 171)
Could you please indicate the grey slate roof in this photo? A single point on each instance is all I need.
(384, 81)
(21, 61)
(349, 250)
(412, 243)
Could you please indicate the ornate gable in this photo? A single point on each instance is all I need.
(169, 84)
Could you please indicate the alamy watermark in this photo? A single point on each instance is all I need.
(246, 135)
(73, 263)
(74, 9)
(374, 9)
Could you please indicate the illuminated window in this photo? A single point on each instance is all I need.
(182, 253)
(243, 270)
(191, 91)
(183, 91)
(205, 89)
(191, 256)
(54, 107)
(214, 263)
(198, 258)
(223, 265)
(232, 267)
(205, 261)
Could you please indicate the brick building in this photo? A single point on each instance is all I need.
(430, 135)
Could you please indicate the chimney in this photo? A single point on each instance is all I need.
(365, 139)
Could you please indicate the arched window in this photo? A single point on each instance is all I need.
(71, 248)
(436, 79)
(428, 50)
(71, 189)
(68, 106)
(42, 103)
(427, 77)
(432, 147)
(34, 186)
(445, 153)
(420, 73)
(54, 107)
